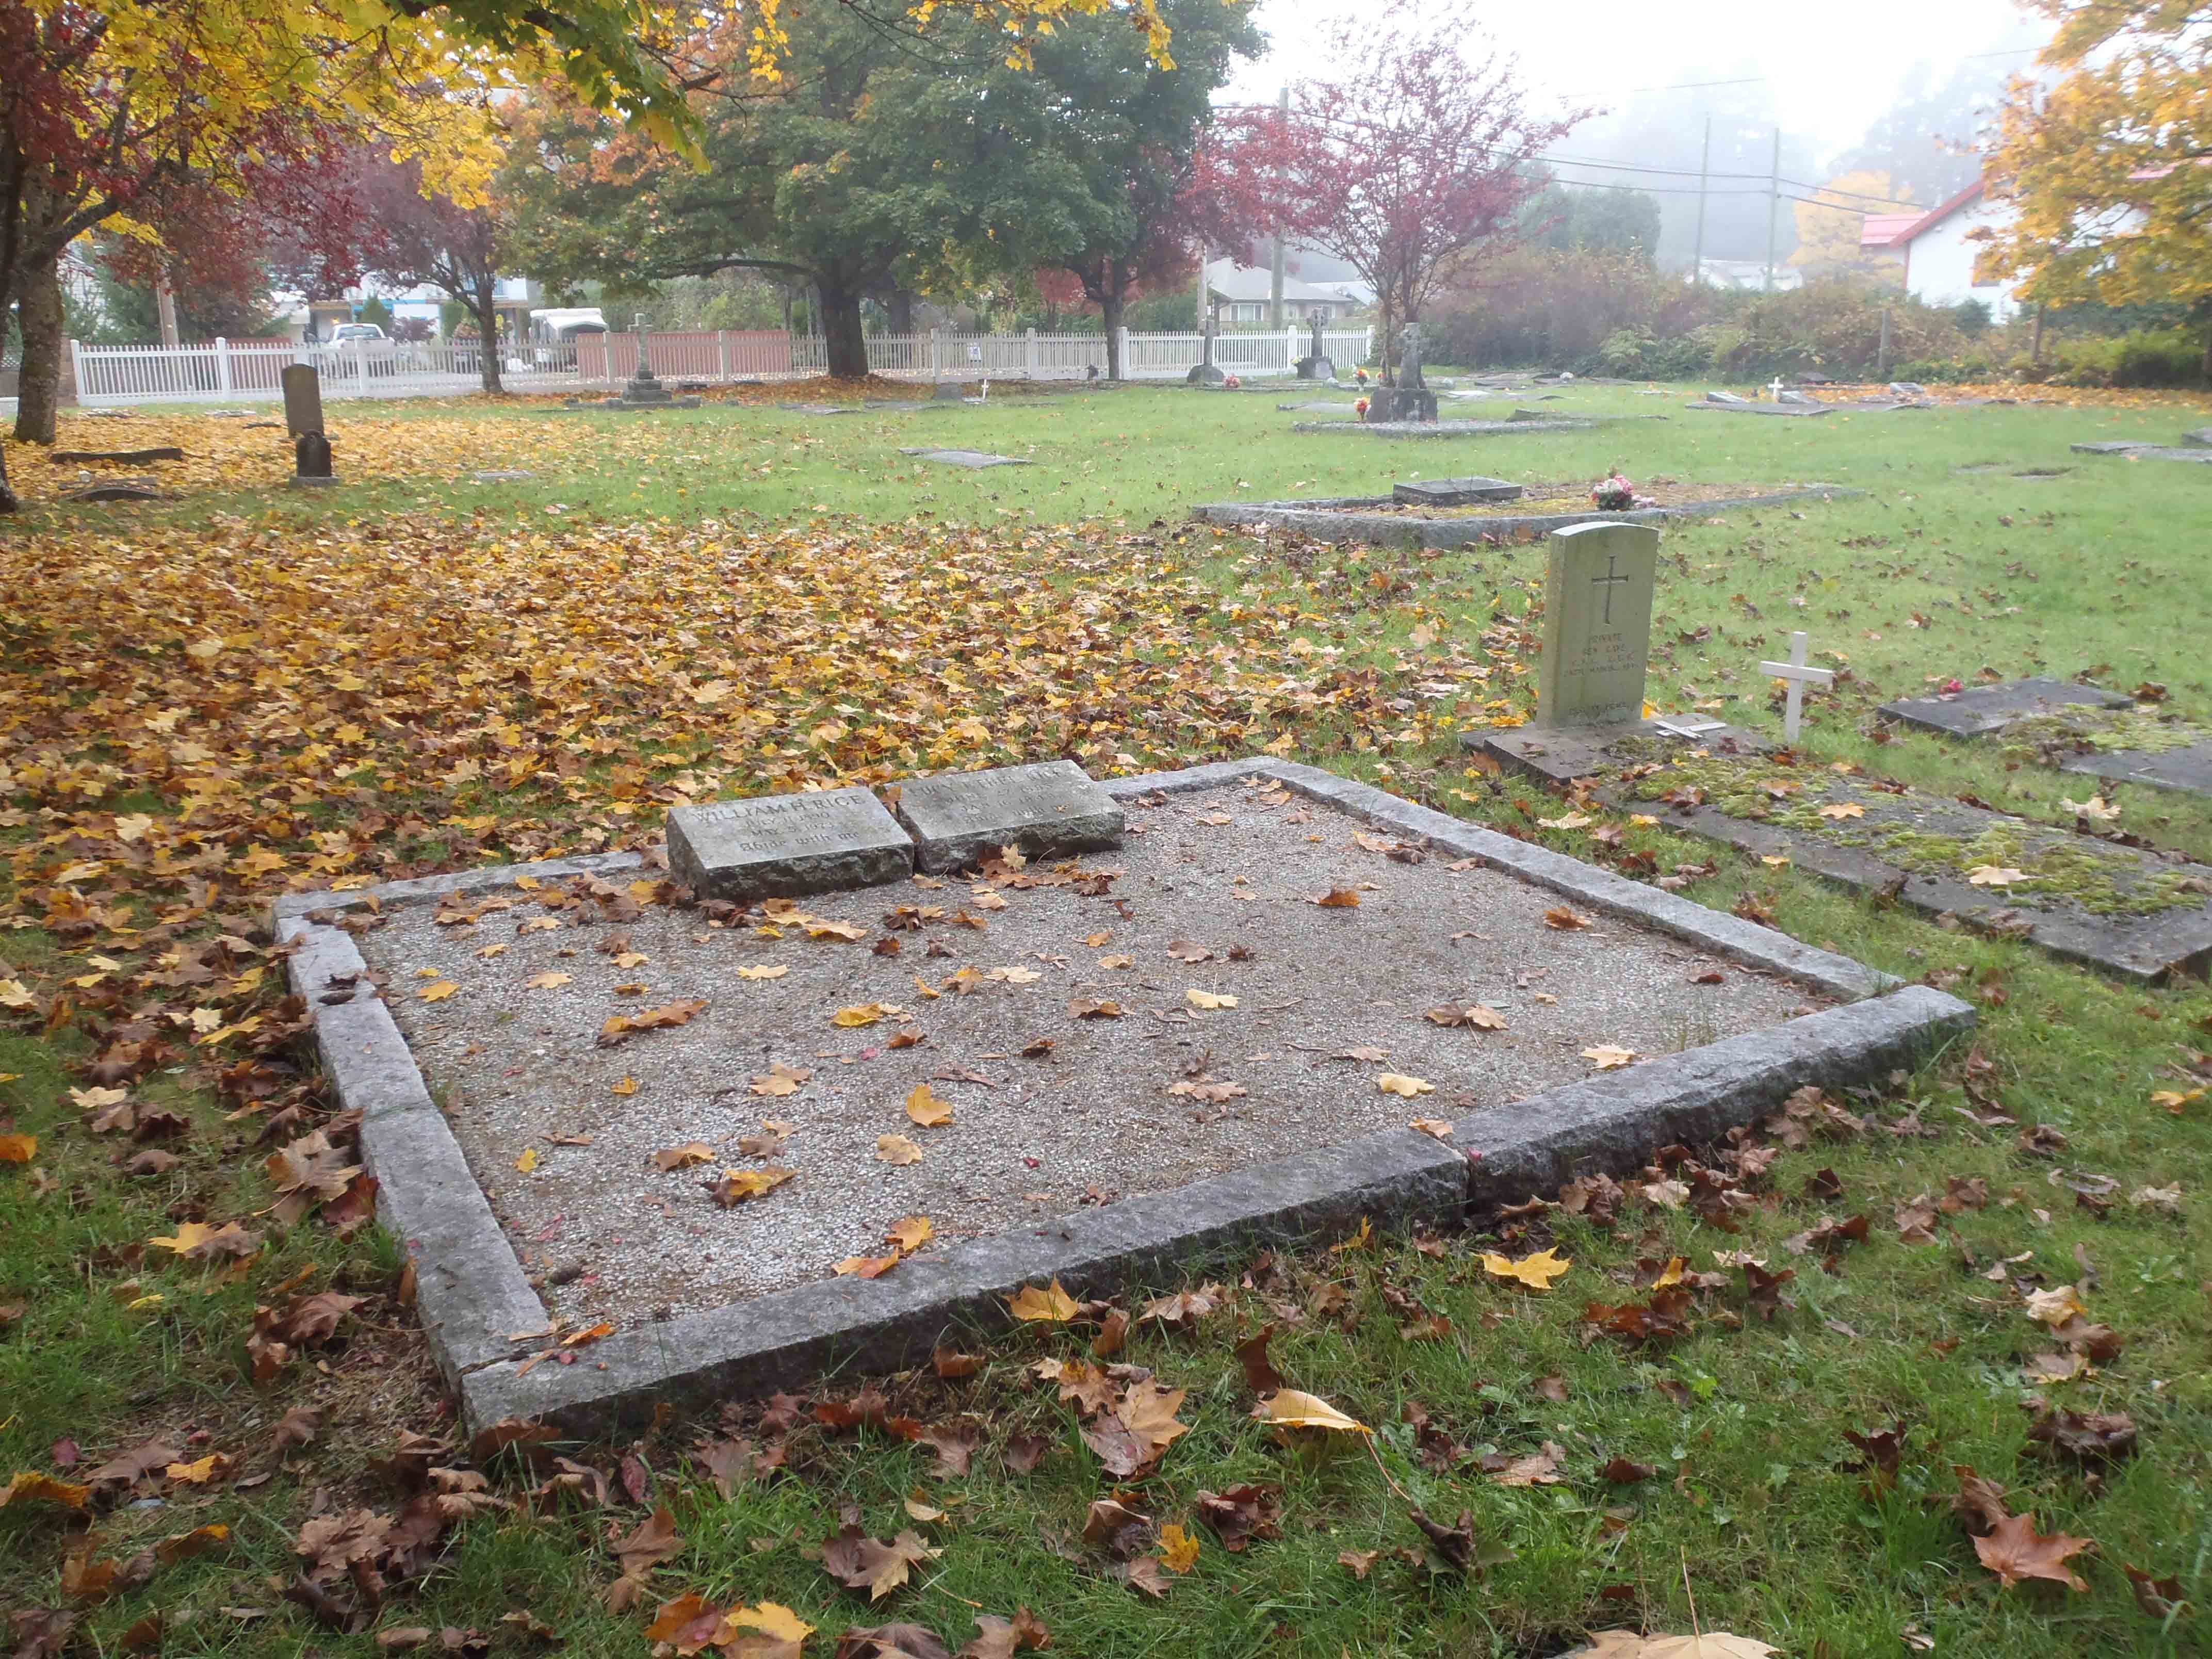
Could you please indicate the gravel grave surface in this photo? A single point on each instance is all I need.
(1053, 1103)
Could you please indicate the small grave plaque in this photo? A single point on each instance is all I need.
(783, 845)
(973, 460)
(1455, 492)
(1597, 624)
(303, 399)
(1044, 810)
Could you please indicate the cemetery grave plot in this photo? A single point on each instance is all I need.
(990, 1054)
(2105, 735)
(1444, 520)
(2132, 912)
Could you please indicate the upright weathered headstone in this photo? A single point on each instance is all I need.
(644, 387)
(1206, 371)
(783, 845)
(303, 398)
(303, 417)
(1045, 810)
(1409, 361)
(1597, 624)
(1316, 365)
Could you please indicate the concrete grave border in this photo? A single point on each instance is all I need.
(1337, 519)
(474, 1300)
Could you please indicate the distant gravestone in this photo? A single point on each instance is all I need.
(1597, 624)
(1455, 492)
(974, 459)
(1980, 710)
(303, 399)
(1044, 810)
(1409, 362)
(947, 392)
(1205, 373)
(2200, 439)
(1316, 365)
(783, 845)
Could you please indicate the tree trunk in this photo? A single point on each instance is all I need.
(40, 382)
(846, 347)
(8, 502)
(902, 311)
(488, 326)
(1110, 312)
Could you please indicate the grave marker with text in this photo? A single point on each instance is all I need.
(1045, 810)
(783, 845)
(1597, 624)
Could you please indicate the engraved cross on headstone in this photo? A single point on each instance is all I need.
(1799, 677)
(1612, 579)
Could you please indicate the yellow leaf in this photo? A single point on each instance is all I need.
(440, 992)
(1671, 1274)
(30, 1483)
(680, 1158)
(863, 1013)
(1571, 821)
(776, 972)
(736, 1186)
(1536, 1272)
(18, 1149)
(926, 1109)
(779, 1080)
(1845, 809)
(1395, 1083)
(912, 1233)
(1994, 875)
(627, 1087)
(772, 1619)
(528, 1161)
(1290, 1409)
(1608, 1058)
(1436, 1126)
(1199, 999)
(897, 1149)
(1053, 1306)
(549, 981)
(1178, 1548)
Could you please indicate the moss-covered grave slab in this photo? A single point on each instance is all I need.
(2133, 912)
(2105, 735)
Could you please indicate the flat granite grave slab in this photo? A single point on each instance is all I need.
(2130, 912)
(1451, 428)
(783, 846)
(1981, 709)
(1455, 492)
(2076, 728)
(1801, 411)
(972, 458)
(1384, 520)
(1045, 811)
(1134, 1069)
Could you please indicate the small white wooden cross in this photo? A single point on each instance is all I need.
(1799, 676)
(1775, 389)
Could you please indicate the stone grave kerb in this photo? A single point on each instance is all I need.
(1597, 625)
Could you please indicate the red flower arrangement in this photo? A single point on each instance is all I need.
(1615, 495)
(1360, 408)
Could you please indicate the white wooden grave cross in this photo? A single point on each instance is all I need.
(1775, 390)
(1799, 676)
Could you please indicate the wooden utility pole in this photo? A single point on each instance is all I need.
(1773, 208)
(1704, 177)
(1275, 270)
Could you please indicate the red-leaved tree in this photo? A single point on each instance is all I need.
(429, 237)
(1407, 162)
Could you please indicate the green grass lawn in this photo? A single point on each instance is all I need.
(1756, 1503)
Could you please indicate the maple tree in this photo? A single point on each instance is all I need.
(416, 233)
(1830, 222)
(2107, 171)
(1406, 163)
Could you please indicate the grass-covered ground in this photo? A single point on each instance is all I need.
(205, 701)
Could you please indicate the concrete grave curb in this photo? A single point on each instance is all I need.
(1338, 519)
(475, 1302)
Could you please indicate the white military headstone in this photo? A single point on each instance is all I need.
(1597, 624)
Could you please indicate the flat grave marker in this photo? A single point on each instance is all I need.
(2076, 728)
(974, 459)
(1047, 811)
(1455, 492)
(1980, 709)
(784, 846)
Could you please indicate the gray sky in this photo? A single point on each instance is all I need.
(1832, 68)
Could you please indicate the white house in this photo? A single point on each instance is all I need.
(1244, 294)
(1937, 249)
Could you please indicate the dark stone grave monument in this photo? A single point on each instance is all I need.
(303, 418)
(1316, 365)
(1205, 372)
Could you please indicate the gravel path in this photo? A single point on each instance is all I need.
(1089, 1119)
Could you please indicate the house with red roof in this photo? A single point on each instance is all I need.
(1936, 250)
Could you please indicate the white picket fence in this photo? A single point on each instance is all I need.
(227, 371)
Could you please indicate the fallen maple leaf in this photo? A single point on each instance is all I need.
(1436, 1127)
(1337, 899)
(926, 1109)
(1208, 1000)
(777, 971)
(549, 981)
(1052, 1306)
(860, 1562)
(18, 1149)
(1845, 809)
(911, 1233)
(439, 992)
(678, 1158)
(863, 1013)
(1394, 1083)
(1710, 1644)
(1562, 917)
(897, 1149)
(1537, 1272)
(28, 1484)
(1608, 1058)
(737, 1186)
(781, 1079)
(2013, 1550)
(1178, 1548)
(198, 1242)
(1083, 1008)
(1994, 875)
